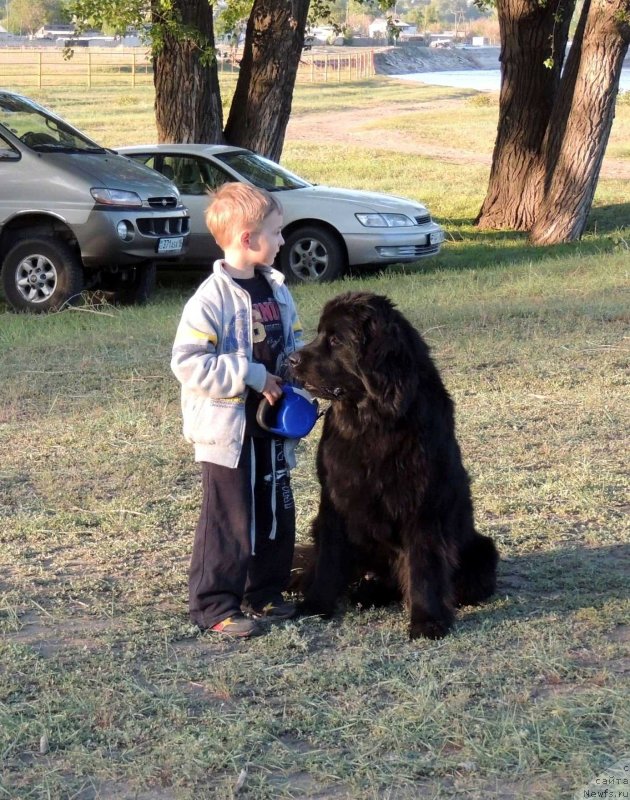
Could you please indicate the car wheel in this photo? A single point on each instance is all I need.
(42, 274)
(128, 285)
(312, 254)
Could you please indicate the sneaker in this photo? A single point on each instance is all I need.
(238, 626)
(274, 611)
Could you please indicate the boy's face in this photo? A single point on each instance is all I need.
(265, 242)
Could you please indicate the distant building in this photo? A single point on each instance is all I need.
(323, 34)
(381, 27)
(55, 30)
(444, 39)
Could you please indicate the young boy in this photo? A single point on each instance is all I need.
(230, 350)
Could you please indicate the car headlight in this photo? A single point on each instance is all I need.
(116, 197)
(385, 220)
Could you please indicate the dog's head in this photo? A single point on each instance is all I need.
(365, 354)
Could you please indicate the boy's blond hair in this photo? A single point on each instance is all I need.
(235, 207)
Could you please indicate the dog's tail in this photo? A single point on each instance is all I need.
(476, 576)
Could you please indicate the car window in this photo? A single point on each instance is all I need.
(7, 153)
(147, 160)
(214, 176)
(40, 130)
(261, 172)
(184, 172)
(191, 175)
(143, 158)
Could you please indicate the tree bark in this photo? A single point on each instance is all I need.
(581, 122)
(261, 106)
(187, 95)
(531, 33)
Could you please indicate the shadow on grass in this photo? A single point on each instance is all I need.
(185, 278)
(534, 585)
(468, 247)
(610, 218)
(601, 219)
(563, 580)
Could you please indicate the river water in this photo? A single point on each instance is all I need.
(483, 80)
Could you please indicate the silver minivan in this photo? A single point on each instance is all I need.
(76, 216)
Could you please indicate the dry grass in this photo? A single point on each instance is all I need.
(99, 497)
(106, 691)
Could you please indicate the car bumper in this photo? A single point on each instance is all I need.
(393, 246)
(102, 246)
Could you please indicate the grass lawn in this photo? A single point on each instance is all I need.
(106, 690)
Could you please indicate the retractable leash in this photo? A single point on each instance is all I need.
(292, 416)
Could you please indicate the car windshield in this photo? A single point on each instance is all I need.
(39, 129)
(261, 172)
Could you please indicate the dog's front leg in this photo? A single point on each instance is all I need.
(329, 573)
(425, 574)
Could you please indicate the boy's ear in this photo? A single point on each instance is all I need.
(245, 238)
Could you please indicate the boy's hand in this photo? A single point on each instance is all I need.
(272, 390)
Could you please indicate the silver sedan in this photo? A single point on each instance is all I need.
(326, 230)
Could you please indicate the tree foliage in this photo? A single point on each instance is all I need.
(180, 34)
(546, 114)
(27, 16)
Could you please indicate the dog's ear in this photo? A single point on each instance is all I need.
(388, 369)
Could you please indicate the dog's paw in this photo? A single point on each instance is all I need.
(429, 629)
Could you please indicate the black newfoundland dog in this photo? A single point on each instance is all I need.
(395, 519)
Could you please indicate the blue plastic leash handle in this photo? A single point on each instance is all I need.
(292, 416)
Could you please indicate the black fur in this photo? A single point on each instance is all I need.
(395, 498)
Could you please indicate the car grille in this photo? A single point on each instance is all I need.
(163, 226)
(411, 250)
(418, 250)
(168, 201)
(423, 220)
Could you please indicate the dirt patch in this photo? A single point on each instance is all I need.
(48, 637)
(354, 128)
(119, 790)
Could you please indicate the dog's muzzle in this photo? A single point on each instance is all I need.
(294, 360)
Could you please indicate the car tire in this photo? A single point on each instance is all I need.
(42, 274)
(312, 254)
(128, 286)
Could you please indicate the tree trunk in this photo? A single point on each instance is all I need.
(261, 106)
(580, 125)
(531, 33)
(187, 96)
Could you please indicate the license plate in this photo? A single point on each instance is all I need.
(172, 245)
(436, 238)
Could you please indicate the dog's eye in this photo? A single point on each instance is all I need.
(334, 341)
